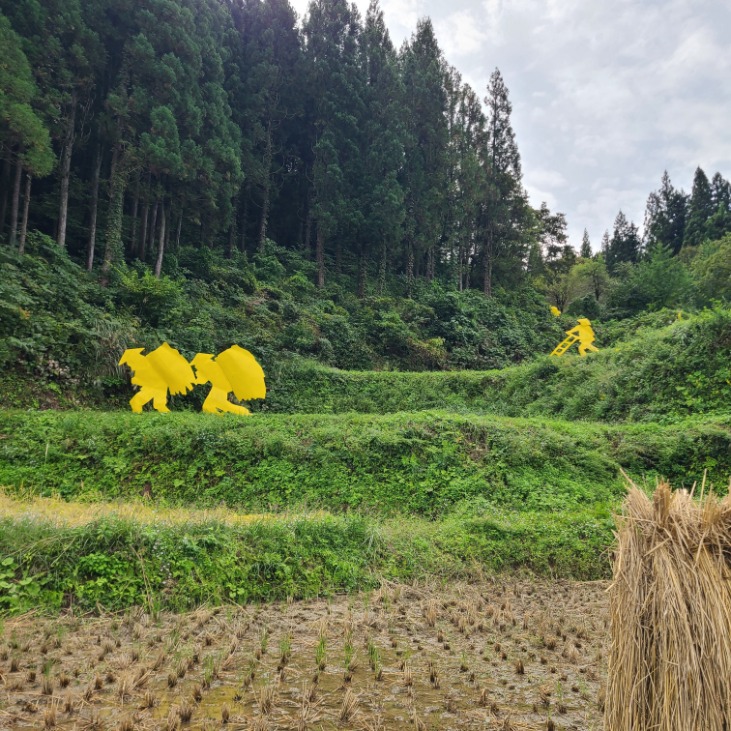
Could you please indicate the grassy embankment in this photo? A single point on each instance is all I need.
(657, 374)
(342, 500)
(345, 498)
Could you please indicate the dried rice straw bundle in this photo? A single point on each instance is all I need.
(670, 601)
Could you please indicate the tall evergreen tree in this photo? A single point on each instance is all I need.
(425, 173)
(624, 245)
(700, 209)
(585, 251)
(720, 192)
(505, 201)
(383, 148)
(468, 177)
(719, 224)
(605, 244)
(267, 91)
(331, 34)
(665, 216)
(24, 138)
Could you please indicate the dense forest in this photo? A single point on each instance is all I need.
(132, 130)
(211, 162)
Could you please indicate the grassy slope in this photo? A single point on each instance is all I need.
(657, 374)
(402, 495)
(420, 463)
(404, 490)
(115, 561)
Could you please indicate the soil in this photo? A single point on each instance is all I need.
(500, 654)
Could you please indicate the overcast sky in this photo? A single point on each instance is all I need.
(606, 95)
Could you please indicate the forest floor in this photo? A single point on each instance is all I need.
(503, 653)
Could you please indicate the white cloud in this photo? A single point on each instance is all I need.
(616, 91)
(400, 15)
(460, 34)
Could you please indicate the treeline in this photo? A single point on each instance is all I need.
(673, 219)
(681, 258)
(131, 129)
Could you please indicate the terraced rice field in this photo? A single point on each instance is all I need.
(499, 654)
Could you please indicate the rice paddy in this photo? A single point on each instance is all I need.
(497, 654)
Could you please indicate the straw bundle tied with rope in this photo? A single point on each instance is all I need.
(670, 601)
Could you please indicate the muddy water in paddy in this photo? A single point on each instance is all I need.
(502, 654)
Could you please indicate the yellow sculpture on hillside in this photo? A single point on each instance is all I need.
(162, 370)
(584, 334)
(555, 311)
(234, 370)
(166, 370)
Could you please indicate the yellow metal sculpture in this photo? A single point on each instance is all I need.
(234, 370)
(582, 333)
(555, 311)
(166, 370)
(162, 370)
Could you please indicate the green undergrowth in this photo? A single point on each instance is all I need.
(676, 371)
(112, 563)
(660, 373)
(418, 464)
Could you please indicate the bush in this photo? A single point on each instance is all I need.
(152, 299)
(416, 464)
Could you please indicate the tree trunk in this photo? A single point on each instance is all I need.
(410, 268)
(15, 206)
(135, 209)
(487, 270)
(66, 153)
(143, 230)
(161, 245)
(145, 220)
(153, 226)
(113, 234)
(168, 227)
(460, 267)
(320, 257)
(5, 187)
(244, 219)
(231, 243)
(362, 275)
(180, 228)
(26, 207)
(430, 263)
(264, 221)
(308, 235)
(91, 245)
(382, 268)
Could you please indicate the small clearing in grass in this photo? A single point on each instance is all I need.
(64, 513)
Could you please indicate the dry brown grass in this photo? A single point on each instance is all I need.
(670, 603)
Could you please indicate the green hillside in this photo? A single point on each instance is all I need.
(657, 373)
(420, 463)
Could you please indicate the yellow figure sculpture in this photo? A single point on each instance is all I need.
(584, 334)
(162, 370)
(234, 370)
(555, 311)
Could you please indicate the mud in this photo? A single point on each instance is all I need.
(502, 654)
